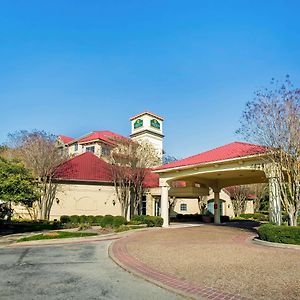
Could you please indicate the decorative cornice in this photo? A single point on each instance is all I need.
(146, 131)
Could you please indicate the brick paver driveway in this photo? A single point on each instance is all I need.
(218, 262)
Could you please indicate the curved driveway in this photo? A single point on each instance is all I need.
(78, 271)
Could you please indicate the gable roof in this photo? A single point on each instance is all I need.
(84, 167)
(105, 135)
(228, 151)
(65, 139)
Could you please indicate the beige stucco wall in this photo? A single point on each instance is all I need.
(193, 208)
(80, 199)
(84, 199)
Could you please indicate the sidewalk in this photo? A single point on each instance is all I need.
(10, 240)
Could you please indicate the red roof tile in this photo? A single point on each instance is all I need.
(65, 139)
(106, 136)
(229, 151)
(151, 180)
(89, 167)
(85, 167)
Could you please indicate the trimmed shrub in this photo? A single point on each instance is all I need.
(279, 234)
(107, 221)
(118, 221)
(90, 220)
(97, 220)
(153, 221)
(74, 219)
(138, 219)
(83, 219)
(65, 219)
(255, 216)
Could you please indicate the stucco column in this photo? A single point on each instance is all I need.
(165, 205)
(274, 195)
(149, 204)
(217, 218)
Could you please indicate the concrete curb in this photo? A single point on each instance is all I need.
(119, 254)
(276, 245)
(76, 240)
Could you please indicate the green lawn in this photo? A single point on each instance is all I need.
(55, 235)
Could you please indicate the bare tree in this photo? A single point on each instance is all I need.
(259, 190)
(202, 204)
(172, 204)
(273, 119)
(131, 162)
(38, 151)
(239, 195)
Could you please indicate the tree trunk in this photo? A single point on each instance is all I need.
(293, 214)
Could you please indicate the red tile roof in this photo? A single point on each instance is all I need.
(106, 136)
(65, 139)
(229, 151)
(89, 167)
(85, 167)
(151, 180)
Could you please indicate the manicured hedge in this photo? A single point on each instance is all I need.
(255, 216)
(151, 221)
(111, 221)
(74, 219)
(279, 234)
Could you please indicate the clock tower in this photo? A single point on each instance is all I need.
(148, 127)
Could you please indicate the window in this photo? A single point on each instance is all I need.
(105, 151)
(75, 147)
(183, 207)
(90, 149)
(144, 205)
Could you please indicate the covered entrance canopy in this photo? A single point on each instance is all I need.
(232, 164)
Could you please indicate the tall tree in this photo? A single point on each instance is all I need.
(38, 151)
(272, 119)
(130, 163)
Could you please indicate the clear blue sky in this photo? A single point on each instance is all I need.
(71, 67)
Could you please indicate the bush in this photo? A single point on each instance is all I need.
(107, 221)
(65, 219)
(279, 234)
(138, 219)
(118, 221)
(97, 220)
(74, 219)
(255, 216)
(90, 220)
(153, 221)
(84, 226)
(83, 219)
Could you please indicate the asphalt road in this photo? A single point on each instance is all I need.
(81, 271)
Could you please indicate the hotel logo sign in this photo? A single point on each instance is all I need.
(154, 123)
(138, 123)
